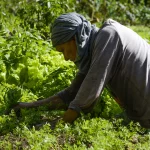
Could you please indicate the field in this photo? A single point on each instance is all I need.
(31, 69)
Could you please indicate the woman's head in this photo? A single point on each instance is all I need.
(74, 29)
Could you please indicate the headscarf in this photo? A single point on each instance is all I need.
(73, 24)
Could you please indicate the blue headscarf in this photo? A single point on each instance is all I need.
(73, 24)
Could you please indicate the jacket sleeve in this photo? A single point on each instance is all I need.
(68, 94)
(103, 65)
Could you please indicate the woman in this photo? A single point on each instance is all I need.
(113, 56)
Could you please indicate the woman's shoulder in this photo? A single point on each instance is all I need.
(108, 28)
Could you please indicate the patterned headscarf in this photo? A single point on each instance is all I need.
(73, 24)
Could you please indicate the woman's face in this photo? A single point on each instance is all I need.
(69, 50)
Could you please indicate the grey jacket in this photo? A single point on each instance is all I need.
(120, 60)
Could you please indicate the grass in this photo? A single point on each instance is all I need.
(142, 31)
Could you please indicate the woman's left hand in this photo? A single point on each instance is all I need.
(70, 115)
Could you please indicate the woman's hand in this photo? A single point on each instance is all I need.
(70, 116)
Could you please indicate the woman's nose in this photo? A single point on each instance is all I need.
(66, 58)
